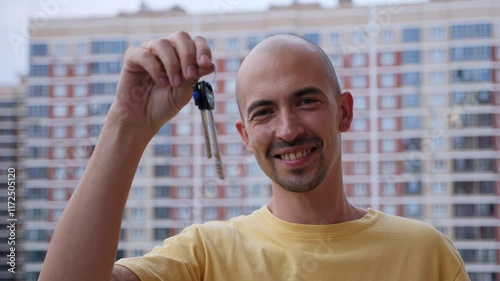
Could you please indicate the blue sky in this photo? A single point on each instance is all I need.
(15, 15)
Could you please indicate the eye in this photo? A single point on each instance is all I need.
(261, 114)
(307, 101)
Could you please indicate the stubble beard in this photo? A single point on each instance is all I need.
(300, 179)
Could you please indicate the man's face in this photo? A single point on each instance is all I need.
(292, 117)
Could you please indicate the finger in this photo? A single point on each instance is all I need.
(185, 48)
(165, 52)
(139, 59)
(203, 53)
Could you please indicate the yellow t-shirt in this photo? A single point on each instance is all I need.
(259, 246)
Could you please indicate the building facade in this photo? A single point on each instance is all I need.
(11, 172)
(425, 141)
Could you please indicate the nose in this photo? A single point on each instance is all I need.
(289, 126)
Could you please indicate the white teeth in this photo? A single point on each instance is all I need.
(295, 156)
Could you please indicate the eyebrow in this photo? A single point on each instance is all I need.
(297, 94)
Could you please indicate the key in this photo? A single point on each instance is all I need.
(203, 96)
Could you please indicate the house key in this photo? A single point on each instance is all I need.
(203, 96)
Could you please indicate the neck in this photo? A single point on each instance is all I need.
(326, 204)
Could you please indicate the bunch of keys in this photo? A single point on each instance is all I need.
(203, 96)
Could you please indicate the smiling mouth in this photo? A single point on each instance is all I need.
(294, 156)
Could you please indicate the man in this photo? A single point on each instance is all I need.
(292, 116)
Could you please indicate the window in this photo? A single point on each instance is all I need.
(233, 149)
(232, 43)
(184, 213)
(413, 187)
(390, 209)
(60, 131)
(103, 88)
(313, 37)
(436, 33)
(80, 131)
(387, 36)
(360, 189)
(412, 166)
(137, 213)
(389, 188)
(162, 170)
(411, 35)
(80, 69)
(467, 31)
(34, 131)
(38, 152)
(412, 210)
(137, 234)
(388, 145)
(184, 171)
(336, 60)
(108, 47)
(38, 91)
(360, 146)
(60, 152)
(231, 107)
(183, 192)
(438, 188)
(410, 57)
(80, 90)
(60, 49)
(210, 213)
(60, 70)
(38, 70)
(360, 168)
(162, 212)
(471, 53)
(412, 100)
(411, 122)
(437, 77)
(162, 191)
(233, 191)
(388, 167)
(439, 211)
(60, 110)
(360, 103)
(184, 150)
(436, 55)
(388, 123)
(252, 41)
(99, 109)
(472, 75)
(109, 67)
(360, 124)
(439, 165)
(232, 64)
(388, 102)
(183, 129)
(387, 58)
(359, 81)
(81, 48)
(437, 100)
(410, 79)
(60, 91)
(38, 111)
(358, 60)
(80, 110)
(162, 149)
(38, 50)
(334, 39)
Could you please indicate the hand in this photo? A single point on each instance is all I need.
(156, 81)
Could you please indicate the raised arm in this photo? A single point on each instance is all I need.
(155, 83)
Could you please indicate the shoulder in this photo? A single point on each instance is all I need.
(416, 233)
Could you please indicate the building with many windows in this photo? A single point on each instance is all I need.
(424, 144)
(11, 173)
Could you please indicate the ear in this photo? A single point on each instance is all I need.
(240, 126)
(346, 113)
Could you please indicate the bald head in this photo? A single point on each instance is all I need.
(286, 44)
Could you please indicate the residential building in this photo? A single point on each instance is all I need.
(425, 141)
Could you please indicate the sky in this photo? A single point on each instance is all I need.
(15, 15)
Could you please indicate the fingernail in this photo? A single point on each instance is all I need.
(204, 59)
(192, 71)
(177, 80)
